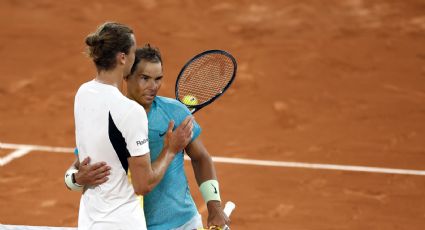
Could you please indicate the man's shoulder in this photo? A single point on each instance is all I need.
(84, 86)
(171, 108)
(133, 106)
(169, 103)
(121, 102)
(122, 106)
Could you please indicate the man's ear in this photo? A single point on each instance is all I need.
(121, 58)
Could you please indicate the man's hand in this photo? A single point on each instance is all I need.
(94, 174)
(216, 215)
(178, 139)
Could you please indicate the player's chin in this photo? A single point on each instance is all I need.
(148, 98)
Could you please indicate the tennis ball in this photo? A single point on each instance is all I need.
(190, 100)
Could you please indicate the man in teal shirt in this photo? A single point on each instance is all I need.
(169, 205)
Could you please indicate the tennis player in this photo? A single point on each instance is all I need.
(113, 129)
(170, 204)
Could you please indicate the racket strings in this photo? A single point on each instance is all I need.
(206, 77)
(197, 77)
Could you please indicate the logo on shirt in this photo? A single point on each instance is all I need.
(142, 142)
(162, 134)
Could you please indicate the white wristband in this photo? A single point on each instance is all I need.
(69, 180)
(210, 190)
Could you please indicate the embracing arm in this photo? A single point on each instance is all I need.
(144, 175)
(204, 171)
(69, 178)
(86, 174)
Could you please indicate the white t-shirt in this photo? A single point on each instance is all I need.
(110, 127)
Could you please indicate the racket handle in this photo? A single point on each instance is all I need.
(228, 208)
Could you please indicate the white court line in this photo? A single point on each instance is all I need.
(242, 161)
(36, 148)
(15, 154)
(319, 166)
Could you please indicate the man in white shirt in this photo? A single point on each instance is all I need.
(113, 129)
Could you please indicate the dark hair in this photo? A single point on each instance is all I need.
(108, 40)
(147, 53)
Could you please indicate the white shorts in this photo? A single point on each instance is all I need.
(194, 223)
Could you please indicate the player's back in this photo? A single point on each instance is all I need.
(101, 119)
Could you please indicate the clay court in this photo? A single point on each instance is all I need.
(335, 84)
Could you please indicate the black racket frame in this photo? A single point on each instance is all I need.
(195, 108)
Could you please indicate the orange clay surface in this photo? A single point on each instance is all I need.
(335, 82)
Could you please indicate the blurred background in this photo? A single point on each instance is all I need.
(330, 81)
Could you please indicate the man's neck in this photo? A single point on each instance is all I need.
(112, 77)
(147, 108)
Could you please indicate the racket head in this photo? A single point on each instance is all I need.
(204, 78)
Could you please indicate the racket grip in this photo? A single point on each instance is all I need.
(228, 208)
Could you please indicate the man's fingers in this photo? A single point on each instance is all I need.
(190, 124)
(101, 181)
(86, 161)
(189, 134)
(188, 120)
(187, 124)
(101, 170)
(104, 169)
(188, 128)
(102, 175)
(98, 165)
(170, 126)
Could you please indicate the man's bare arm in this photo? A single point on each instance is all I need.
(144, 175)
(204, 170)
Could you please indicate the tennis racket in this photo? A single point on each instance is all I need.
(204, 78)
